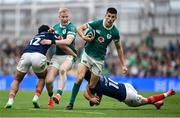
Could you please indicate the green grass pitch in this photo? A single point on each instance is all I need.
(108, 108)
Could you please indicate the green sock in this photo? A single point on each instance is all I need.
(59, 92)
(50, 94)
(74, 92)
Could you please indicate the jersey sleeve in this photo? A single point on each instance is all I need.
(52, 36)
(72, 30)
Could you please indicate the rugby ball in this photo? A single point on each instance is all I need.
(89, 31)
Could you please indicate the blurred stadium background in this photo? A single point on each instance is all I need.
(150, 32)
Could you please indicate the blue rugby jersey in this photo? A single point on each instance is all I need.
(35, 46)
(108, 87)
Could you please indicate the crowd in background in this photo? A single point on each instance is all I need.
(143, 59)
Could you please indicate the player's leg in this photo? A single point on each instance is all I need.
(64, 68)
(159, 104)
(39, 66)
(91, 86)
(22, 68)
(80, 75)
(133, 99)
(14, 88)
(52, 72)
(158, 100)
(93, 81)
(95, 75)
(39, 88)
(155, 98)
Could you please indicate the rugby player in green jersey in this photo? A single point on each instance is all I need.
(94, 52)
(61, 63)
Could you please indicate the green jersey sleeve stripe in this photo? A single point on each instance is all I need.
(71, 35)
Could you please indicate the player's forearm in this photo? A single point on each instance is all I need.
(68, 51)
(120, 54)
(66, 41)
(62, 42)
(86, 95)
(80, 31)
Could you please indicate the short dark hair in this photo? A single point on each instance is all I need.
(43, 28)
(111, 10)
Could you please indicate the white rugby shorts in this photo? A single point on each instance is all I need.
(36, 60)
(133, 99)
(57, 60)
(94, 66)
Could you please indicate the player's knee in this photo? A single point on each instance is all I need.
(48, 81)
(90, 86)
(79, 79)
(17, 80)
(62, 71)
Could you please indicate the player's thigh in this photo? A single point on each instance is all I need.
(19, 76)
(85, 60)
(81, 70)
(133, 99)
(93, 65)
(93, 80)
(39, 62)
(97, 67)
(24, 63)
(67, 64)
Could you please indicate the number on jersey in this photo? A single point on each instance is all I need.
(113, 83)
(35, 41)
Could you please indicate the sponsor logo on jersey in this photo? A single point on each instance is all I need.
(109, 36)
(98, 31)
(101, 39)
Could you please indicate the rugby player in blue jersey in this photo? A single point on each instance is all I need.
(34, 56)
(123, 92)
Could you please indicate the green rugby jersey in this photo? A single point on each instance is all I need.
(64, 31)
(103, 37)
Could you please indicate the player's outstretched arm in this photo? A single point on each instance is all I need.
(121, 57)
(93, 99)
(66, 41)
(59, 41)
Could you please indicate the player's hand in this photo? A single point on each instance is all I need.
(51, 30)
(60, 38)
(124, 70)
(88, 38)
(45, 42)
(95, 100)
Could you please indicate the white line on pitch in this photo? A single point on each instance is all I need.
(88, 112)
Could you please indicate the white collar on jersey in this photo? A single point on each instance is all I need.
(105, 26)
(63, 26)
